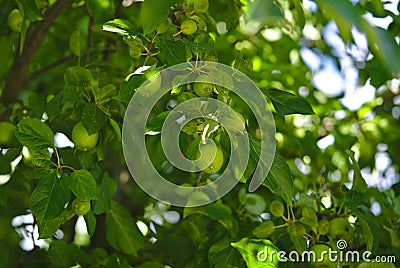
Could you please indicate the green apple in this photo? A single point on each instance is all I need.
(340, 228)
(81, 138)
(206, 153)
(7, 137)
(80, 207)
(201, 24)
(203, 89)
(201, 6)
(15, 20)
(321, 256)
(188, 27)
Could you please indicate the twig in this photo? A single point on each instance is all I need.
(90, 32)
(48, 67)
(35, 35)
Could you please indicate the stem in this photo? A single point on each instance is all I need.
(178, 33)
(58, 158)
(71, 168)
(48, 67)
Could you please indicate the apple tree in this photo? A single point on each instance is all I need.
(70, 69)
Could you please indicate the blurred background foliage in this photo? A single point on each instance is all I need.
(341, 155)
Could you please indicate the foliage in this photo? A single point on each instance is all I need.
(79, 62)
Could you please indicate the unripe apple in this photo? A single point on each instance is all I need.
(340, 228)
(201, 24)
(321, 256)
(201, 6)
(15, 20)
(203, 89)
(7, 137)
(81, 138)
(206, 154)
(80, 207)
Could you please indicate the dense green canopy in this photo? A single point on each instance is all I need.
(328, 69)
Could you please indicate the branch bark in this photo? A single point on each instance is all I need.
(90, 31)
(34, 37)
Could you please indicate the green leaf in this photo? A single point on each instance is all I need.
(90, 220)
(222, 253)
(78, 80)
(359, 184)
(264, 230)
(279, 179)
(277, 209)
(118, 26)
(370, 228)
(116, 127)
(41, 158)
(53, 106)
(299, 242)
(396, 206)
(287, 103)
(107, 190)
(299, 14)
(114, 261)
(154, 13)
(83, 185)
(36, 105)
(66, 255)
(171, 52)
(255, 204)
(30, 10)
(93, 118)
(34, 134)
(323, 227)
(3, 195)
(251, 249)
(384, 46)
(264, 12)
(121, 230)
(7, 158)
(155, 124)
(309, 217)
(151, 264)
(48, 228)
(78, 76)
(344, 14)
(218, 212)
(50, 197)
(78, 43)
(133, 81)
(224, 10)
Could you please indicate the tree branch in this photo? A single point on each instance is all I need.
(90, 31)
(35, 35)
(48, 67)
